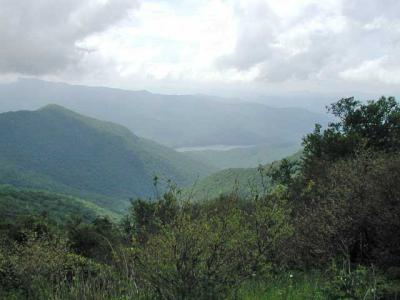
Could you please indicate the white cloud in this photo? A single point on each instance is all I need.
(164, 43)
(382, 70)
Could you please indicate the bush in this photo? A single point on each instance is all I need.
(359, 282)
(352, 216)
(206, 252)
(41, 263)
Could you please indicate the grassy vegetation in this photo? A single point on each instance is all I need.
(287, 286)
(317, 285)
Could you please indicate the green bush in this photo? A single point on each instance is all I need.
(39, 263)
(359, 282)
(206, 252)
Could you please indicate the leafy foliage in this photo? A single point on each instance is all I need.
(186, 250)
(347, 195)
(374, 126)
(357, 283)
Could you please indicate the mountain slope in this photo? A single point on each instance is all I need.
(57, 149)
(16, 202)
(245, 181)
(175, 121)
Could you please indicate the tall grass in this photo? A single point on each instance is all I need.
(85, 289)
(288, 286)
(285, 286)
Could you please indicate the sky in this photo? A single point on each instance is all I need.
(235, 48)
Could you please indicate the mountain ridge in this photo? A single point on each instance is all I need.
(60, 150)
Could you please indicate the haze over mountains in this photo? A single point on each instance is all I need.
(178, 120)
(175, 121)
(56, 148)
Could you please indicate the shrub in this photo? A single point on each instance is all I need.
(40, 264)
(205, 252)
(347, 282)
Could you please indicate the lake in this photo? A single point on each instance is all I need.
(212, 147)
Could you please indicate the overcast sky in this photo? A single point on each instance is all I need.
(224, 47)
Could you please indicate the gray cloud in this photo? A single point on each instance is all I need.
(40, 37)
(367, 10)
(318, 43)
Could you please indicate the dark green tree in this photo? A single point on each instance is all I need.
(374, 126)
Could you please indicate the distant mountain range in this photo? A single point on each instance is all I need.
(175, 121)
(56, 149)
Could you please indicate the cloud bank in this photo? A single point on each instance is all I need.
(41, 37)
(320, 40)
(183, 46)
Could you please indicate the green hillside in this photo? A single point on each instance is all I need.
(244, 181)
(16, 202)
(241, 180)
(56, 149)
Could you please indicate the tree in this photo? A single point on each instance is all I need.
(353, 212)
(374, 126)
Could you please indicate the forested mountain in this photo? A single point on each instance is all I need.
(176, 121)
(56, 149)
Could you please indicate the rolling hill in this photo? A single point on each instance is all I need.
(56, 149)
(244, 181)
